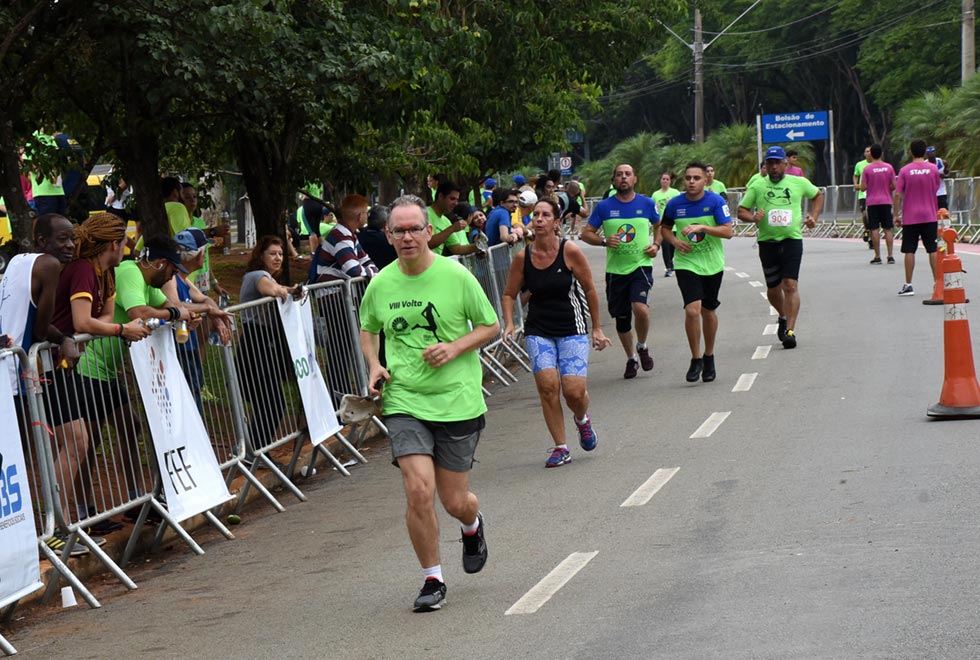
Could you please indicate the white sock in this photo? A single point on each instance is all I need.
(782, 318)
(434, 572)
(582, 421)
(470, 530)
(641, 347)
(561, 446)
(635, 357)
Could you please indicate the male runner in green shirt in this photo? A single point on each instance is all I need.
(435, 316)
(778, 203)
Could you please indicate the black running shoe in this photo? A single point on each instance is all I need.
(431, 596)
(695, 371)
(781, 329)
(632, 368)
(475, 549)
(708, 373)
(646, 361)
(790, 340)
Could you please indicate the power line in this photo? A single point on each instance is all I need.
(780, 27)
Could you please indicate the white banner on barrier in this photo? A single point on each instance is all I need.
(297, 321)
(20, 570)
(191, 477)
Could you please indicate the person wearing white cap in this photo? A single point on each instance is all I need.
(778, 203)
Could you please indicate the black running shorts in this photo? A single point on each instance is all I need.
(781, 260)
(912, 233)
(702, 288)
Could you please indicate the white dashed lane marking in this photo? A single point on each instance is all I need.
(764, 296)
(711, 424)
(755, 284)
(761, 352)
(772, 311)
(742, 275)
(644, 493)
(542, 592)
(771, 329)
(744, 383)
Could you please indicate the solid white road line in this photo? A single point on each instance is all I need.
(755, 284)
(711, 424)
(542, 592)
(771, 329)
(744, 383)
(742, 275)
(761, 352)
(644, 493)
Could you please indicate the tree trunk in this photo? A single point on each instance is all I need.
(19, 213)
(140, 157)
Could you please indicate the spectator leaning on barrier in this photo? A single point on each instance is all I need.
(85, 303)
(262, 359)
(138, 296)
(194, 245)
(177, 217)
(27, 297)
(499, 227)
(435, 316)
(448, 235)
(202, 278)
(340, 255)
(374, 240)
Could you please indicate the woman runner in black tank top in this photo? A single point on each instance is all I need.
(558, 276)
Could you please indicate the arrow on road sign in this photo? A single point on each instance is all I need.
(792, 135)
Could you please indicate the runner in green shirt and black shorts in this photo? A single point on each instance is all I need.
(778, 203)
(863, 195)
(694, 224)
(435, 317)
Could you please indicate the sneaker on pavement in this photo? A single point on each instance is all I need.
(906, 290)
(876, 261)
(646, 361)
(790, 341)
(60, 540)
(432, 596)
(104, 527)
(669, 272)
(781, 329)
(587, 437)
(694, 372)
(632, 368)
(708, 372)
(559, 457)
(891, 260)
(475, 549)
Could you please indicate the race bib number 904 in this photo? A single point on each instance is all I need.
(780, 217)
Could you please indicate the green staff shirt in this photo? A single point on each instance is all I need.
(416, 311)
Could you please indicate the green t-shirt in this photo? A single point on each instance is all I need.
(202, 277)
(707, 255)
(101, 359)
(755, 177)
(661, 197)
(718, 187)
(858, 169)
(633, 222)
(782, 203)
(416, 311)
(439, 223)
(178, 219)
(47, 186)
(326, 228)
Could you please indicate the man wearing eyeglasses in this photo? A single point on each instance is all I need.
(434, 316)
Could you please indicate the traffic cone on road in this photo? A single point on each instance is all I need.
(960, 396)
(937, 292)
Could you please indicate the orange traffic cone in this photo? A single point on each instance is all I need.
(937, 292)
(960, 396)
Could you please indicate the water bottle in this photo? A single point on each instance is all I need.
(152, 324)
(223, 300)
(180, 332)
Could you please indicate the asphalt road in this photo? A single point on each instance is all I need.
(824, 517)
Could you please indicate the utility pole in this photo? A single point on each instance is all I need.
(698, 48)
(969, 60)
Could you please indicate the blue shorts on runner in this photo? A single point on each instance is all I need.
(569, 355)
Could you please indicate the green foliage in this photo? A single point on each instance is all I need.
(947, 118)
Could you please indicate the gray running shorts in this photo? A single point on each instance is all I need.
(451, 445)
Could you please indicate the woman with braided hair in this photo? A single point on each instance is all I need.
(84, 304)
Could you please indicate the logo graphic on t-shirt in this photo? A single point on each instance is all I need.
(626, 233)
(774, 194)
(429, 314)
(696, 237)
(399, 324)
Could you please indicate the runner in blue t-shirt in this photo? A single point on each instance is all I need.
(629, 222)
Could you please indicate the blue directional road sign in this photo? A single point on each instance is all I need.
(795, 127)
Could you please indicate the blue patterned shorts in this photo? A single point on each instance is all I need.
(569, 355)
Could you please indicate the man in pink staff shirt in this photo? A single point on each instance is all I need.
(915, 210)
(878, 181)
